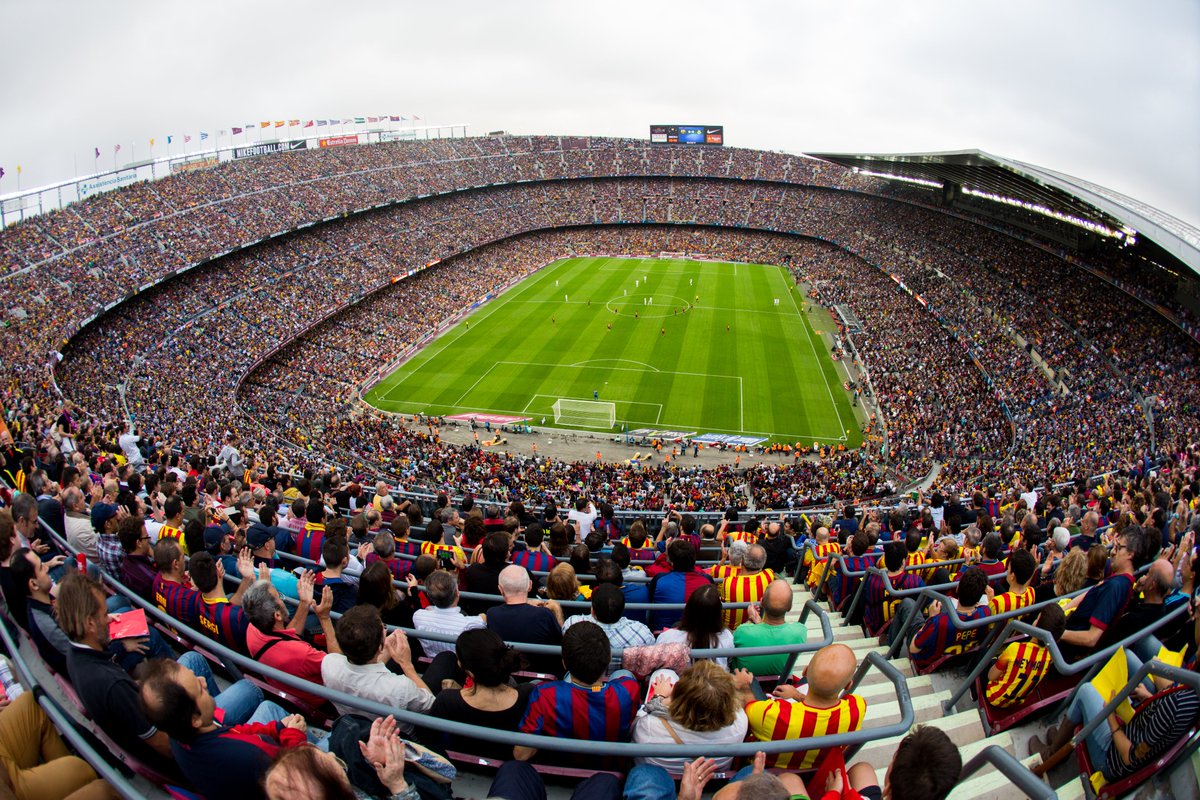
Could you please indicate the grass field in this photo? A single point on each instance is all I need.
(673, 366)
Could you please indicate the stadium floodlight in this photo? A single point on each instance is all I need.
(585, 413)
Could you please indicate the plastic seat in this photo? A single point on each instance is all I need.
(1130, 782)
(1050, 691)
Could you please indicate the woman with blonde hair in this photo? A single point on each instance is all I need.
(563, 584)
(699, 707)
(1070, 576)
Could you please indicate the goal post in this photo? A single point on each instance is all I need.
(585, 413)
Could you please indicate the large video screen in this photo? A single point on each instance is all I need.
(687, 134)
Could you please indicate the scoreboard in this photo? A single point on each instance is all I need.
(687, 134)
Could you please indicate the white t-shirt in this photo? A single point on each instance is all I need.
(649, 729)
(583, 520)
(676, 636)
(128, 443)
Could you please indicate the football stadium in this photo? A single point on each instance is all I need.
(376, 456)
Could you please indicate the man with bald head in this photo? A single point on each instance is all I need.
(814, 560)
(1158, 598)
(747, 586)
(824, 711)
(769, 627)
(523, 620)
(1087, 531)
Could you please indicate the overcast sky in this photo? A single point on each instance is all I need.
(1105, 90)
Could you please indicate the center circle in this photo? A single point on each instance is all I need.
(660, 305)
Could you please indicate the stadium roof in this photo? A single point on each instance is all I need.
(1038, 189)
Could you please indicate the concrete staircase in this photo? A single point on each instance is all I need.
(964, 727)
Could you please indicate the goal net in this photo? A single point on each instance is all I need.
(585, 413)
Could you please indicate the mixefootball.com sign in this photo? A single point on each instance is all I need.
(269, 147)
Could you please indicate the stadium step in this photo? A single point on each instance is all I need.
(1071, 790)
(963, 729)
(991, 783)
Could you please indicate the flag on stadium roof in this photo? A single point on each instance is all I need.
(321, 123)
(169, 140)
(416, 118)
(264, 124)
(116, 149)
(347, 121)
(280, 123)
(308, 124)
(395, 119)
(152, 141)
(236, 131)
(187, 137)
(404, 119)
(221, 132)
(203, 135)
(359, 120)
(98, 149)
(1, 172)
(293, 123)
(372, 119)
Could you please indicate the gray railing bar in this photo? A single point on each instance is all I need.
(1008, 766)
(66, 726)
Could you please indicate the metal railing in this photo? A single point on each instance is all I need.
(1089, 665)
(239, 664)
(65, 724)
(1008, 766)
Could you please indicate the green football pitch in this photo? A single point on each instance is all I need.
(690, 346)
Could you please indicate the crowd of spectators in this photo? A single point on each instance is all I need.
(614, 678)
(947, 307)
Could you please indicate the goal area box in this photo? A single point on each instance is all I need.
(584, 413)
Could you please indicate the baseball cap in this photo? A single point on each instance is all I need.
(258, 536)
(101, 514)
(213, 536)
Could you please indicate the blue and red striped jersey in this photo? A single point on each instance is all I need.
(399, 567)
(602, 713)
(533, 560)
(843, 585)
(178, 600)
(224, 622)
(310, 541)
(938, 637)
(674, 587)
(880, 606)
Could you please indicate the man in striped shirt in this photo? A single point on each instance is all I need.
(815, 559)
(1022, 665)
(748, 586)
(879, 606)
(221, 617)
(1021, 567)
(938, 637)
(534, 557)
(843, 586)
(584, 706)
(172, 527)
(823, 711)
(173, 591)
(313, 536)
(736, 557)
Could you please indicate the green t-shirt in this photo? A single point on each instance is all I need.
(764, 635)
